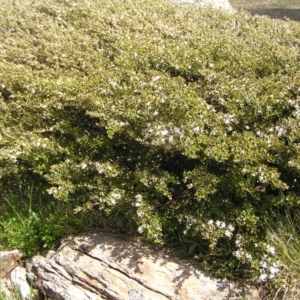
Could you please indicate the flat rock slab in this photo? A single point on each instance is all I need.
(107, 266)
(218, 4)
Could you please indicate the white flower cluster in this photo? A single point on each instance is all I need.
(40, 142)
(226, 229)
(105, 168)
(293, 164)
(268, 271)
(148, 227)
(280, 131)
(264, 174)
(227, 119)
(209, 229)
(141, 229)
(114, 197)
(140, 213)
(13, 153)
(213, 230)
(149, 224)
(296, 105)
(230, 119)
(164, 133)
(99, 167)
(56, 190)
(269, 266)
(241, 253)
(12, 157)
(261, 176)
(138, 201)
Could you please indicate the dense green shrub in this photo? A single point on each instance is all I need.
(185, 121)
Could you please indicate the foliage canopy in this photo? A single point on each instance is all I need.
(184, 120)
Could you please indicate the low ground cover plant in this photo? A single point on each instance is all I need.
(180, 124)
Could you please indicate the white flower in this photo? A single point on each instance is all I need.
(164, 132)
(280, 131)
(99, 168)
(291, 164)
(231, 227)
(155, 78)
(263, 264)
(228, 233)
(238, 243)
(263, 277)
(140, 214)
(13, 158)
(139, 197)
(273, 271)
(227, 121)
(271, 250)
(141, 229)
(113, 84)
(249, 256)
(83, 166)
(238, 254)
(50, 191)
(210, 222)
(222, 225)
(116, 196)
(177, 130)
(196, 129)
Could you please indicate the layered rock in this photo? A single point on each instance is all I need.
(107, 266)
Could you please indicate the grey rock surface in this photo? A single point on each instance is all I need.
(8, 261)
(107, 266)
(12, 275)
(218, 4)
